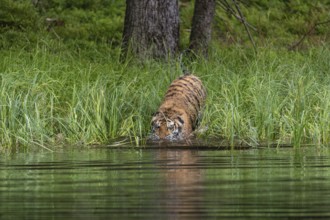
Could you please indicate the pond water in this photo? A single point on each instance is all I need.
(171, 183)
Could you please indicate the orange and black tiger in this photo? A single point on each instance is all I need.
(178, 114)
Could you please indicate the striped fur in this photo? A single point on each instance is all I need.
(177, 116)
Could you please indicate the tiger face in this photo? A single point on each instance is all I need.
(166, 128)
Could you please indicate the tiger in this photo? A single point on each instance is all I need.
(180, 110)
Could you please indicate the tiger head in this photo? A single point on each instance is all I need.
(166, 128)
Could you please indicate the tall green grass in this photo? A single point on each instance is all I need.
(53, 96)
(272, 97)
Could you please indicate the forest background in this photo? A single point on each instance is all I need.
(86, 24)
(62, 81)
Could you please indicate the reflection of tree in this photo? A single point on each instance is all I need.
(183, 179)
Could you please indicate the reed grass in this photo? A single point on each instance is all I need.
(51, 97)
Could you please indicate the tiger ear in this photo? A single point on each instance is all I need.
(154, 114)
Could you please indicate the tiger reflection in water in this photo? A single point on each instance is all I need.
(183, 195)
(180, 111)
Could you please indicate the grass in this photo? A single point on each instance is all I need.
(53, 96)
(272, 97)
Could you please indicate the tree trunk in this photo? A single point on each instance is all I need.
(151, 28)
(201, 30)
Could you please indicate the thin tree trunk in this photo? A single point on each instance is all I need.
(201, 30)
(151, 28)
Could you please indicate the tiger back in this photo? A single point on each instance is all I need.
(177, 115)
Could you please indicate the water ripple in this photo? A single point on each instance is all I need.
(166, 184)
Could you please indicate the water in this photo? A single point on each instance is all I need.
(104, 183)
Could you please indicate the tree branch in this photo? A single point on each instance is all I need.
(245, 25)
(224, 4)
(295, 45)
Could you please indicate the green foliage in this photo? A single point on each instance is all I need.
(85, 22)
(277, 22)
(52, 95)
(19, 15)
(97, 21)
(92, 22)
(186, 15)
(271, 97)
(62, 82)
(19, 22)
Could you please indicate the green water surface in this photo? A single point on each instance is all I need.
(105, 183)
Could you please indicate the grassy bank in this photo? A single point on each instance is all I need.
(52, 96)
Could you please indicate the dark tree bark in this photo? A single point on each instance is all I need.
(151, 28)
(201, 30)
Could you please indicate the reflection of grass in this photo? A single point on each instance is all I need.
(57, 97)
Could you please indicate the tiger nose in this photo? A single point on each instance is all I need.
(162, 133)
